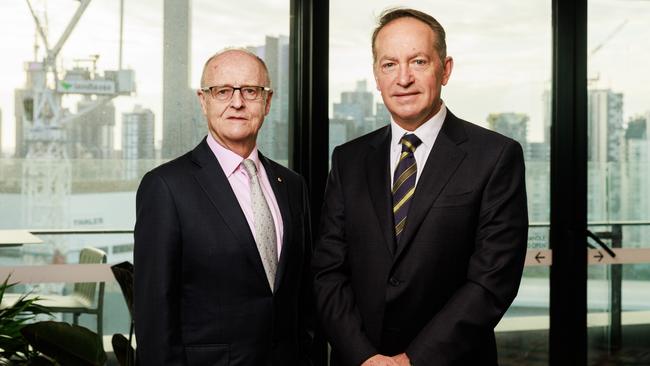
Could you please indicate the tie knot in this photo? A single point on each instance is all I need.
(250, 167)
(410, 142)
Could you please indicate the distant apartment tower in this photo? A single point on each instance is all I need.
(357, 103)
(91, 134)
(513, 125)
(20, 118)
(605, 125)
(274, 135)
(547, 112)
(138, 128)
(356, 106)
(635, 179)
(538, 151)
(637, 140)
(382, 116)
(179, 133)
(604, 154)
(338, 133)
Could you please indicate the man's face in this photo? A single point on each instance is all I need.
(409, 72)
(235, 122)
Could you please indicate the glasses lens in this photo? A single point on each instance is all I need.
(222, 92)
(251, 92)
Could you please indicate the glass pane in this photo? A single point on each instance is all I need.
(65, 249)
(92, 133)
(501, 81)
(619, 166)
(79, 129)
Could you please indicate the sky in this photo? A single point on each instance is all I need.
(501, 49)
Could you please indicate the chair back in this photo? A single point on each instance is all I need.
(123, 273)
(86, 290)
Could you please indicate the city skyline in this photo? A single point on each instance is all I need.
(474, 39)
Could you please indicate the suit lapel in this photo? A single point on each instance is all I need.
(443, 160)
(378, 175)
(279, 187)
(214, 183)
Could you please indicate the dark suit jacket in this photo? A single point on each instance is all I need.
(201, 295)
(459, 262)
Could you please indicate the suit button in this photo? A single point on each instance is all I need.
(394, 281)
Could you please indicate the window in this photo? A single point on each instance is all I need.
(72, 155)
(501, 81)
(619, 180)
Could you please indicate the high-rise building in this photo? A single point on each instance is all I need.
(137, 140)
(546, 106)
(138, 129)
(357, 103)
(382, 116)
(605, 152)
(637, 130)
(179, 133)
(91, 134)
(538, 151)
(513, 125)
(605, 125)
(199, 123)
(356, 106)
(538, 189)
(338, 132)
(20, 118)
(274, 135)
(635, 173)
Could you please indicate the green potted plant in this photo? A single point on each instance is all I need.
(25, 342)
(14, 348)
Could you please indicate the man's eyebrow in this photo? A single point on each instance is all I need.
(389, 58)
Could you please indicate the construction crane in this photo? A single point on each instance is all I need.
(46, 182)
(598, 47)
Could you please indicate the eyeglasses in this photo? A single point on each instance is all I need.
(224, 93)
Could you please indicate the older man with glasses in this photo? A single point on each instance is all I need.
(222, 238)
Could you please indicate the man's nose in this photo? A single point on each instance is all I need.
(405, 76)
(237, 101)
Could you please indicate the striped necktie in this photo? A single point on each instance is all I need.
(404, 182)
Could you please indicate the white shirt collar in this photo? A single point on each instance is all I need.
(427, 132)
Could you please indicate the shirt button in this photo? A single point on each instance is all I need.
(394, 281)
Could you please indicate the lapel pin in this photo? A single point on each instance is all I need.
(279, 179)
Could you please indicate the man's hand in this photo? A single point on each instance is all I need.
(380, 360)
(402, 359)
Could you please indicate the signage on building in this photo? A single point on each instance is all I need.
(86, 86)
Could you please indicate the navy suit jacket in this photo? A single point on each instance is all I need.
(458, 265)
(201, 295)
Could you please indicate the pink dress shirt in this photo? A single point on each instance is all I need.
(232, 166)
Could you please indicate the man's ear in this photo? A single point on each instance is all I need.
(200, 94)
(447, 67)
(267, 107)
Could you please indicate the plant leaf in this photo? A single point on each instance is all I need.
(65, 343)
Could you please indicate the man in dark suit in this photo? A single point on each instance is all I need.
(222, 239)
(424, 226)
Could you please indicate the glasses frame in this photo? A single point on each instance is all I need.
(265, 89)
